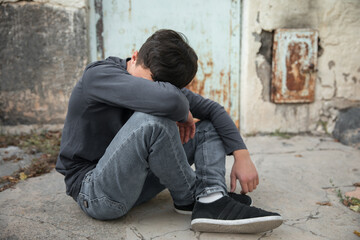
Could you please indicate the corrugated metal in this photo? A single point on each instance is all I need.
(294, 64)
(212, 28)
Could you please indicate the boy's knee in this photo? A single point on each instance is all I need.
(153, 120)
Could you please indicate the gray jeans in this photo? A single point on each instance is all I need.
(147, 156)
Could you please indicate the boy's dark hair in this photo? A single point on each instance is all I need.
(169, 57)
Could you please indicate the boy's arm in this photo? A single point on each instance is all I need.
(206, 109)
(114, 86)
(243, 168)
(245, 171)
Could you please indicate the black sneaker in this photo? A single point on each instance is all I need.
(241, 198)
(187, 210)
(228, 215)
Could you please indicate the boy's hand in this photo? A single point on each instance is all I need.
(187, 129)
(244, 170)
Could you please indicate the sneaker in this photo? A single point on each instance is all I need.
(187, 210)
(241, 198)
(229, 216)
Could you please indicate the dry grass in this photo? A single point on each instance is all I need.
(47, 143)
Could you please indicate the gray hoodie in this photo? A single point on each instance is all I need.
(105, 98)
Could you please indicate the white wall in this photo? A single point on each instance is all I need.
(338, 76)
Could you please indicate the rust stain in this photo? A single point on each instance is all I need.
(294, 63)
(220, 88)
(229, 80)
(221, 92)
(226, 92)
(198, 85)
(274, 84)
(295, 80)
(210, 64)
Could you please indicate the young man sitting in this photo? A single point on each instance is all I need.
(130, 133)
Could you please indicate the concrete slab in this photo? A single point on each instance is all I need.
(295, 174)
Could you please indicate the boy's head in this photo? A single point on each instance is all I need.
(169, 58)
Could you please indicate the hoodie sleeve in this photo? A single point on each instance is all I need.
(206, 109)
(110, 84)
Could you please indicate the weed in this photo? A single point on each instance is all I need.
(352, 203)
(277, 133)
(250, 135)
(324, 126)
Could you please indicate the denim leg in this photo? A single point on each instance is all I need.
(144, 144)
(207, 151)
(151, 188)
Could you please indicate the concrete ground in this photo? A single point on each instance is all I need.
(295, 175)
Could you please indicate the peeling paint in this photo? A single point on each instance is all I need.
(266, 49)
(213, 30)
(263, 67)
(198, 85)
(263, 71)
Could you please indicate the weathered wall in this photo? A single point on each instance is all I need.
(43, 51)
(338, 76)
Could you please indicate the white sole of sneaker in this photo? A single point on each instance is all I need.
(251, 225)
(183, 212)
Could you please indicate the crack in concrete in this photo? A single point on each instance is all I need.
(330, 149)
(52, 224)
(335, 187)
(164, 234)
(304, 230)
(137, 232)
(313, 215)
(197, 234)
(318, 235)
(272, 153)
(303, 219)
(265, 235)
(341, 206)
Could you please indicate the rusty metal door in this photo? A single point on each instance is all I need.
(117, 28)
(294, 65)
